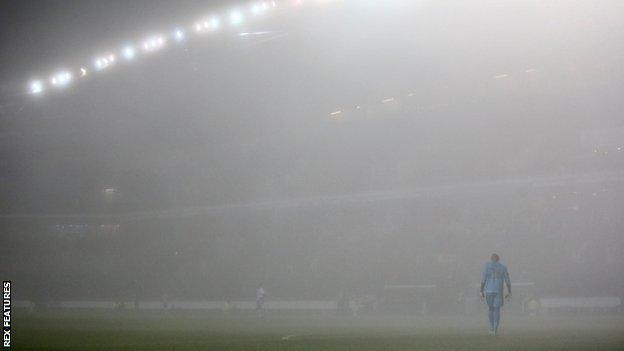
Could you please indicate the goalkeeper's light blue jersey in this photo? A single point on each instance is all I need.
(494, 276)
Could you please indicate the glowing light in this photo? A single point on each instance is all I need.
(336, 114)
(236, 18)
(101, 63)
(385, 101)
(154, 43)
(209, 24)
(179, 35)
(128, 52)
(501, 76)
(36, 87)
(61, 78)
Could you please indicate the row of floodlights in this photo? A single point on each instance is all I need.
(153, 43)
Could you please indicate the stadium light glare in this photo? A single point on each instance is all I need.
(36, 87)
(101, 63)
(215, 23)
(179, 35)
(61, 78)
(128, 52)
(208, 24)
(236, 17)
(154, 43)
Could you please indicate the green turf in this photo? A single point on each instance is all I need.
(110, 330)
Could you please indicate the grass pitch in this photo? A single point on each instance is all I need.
(180, 331)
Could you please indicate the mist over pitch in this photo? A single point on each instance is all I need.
(351, 148)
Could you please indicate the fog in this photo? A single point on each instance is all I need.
(342, 148)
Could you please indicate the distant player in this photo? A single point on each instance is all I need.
(260, 298)
(493, 279)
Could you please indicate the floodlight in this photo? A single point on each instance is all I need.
(154, 43)
(178, 34)
(236, 17)
(61, 78)
(36, 87)
(103, 62)
(128, 52)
